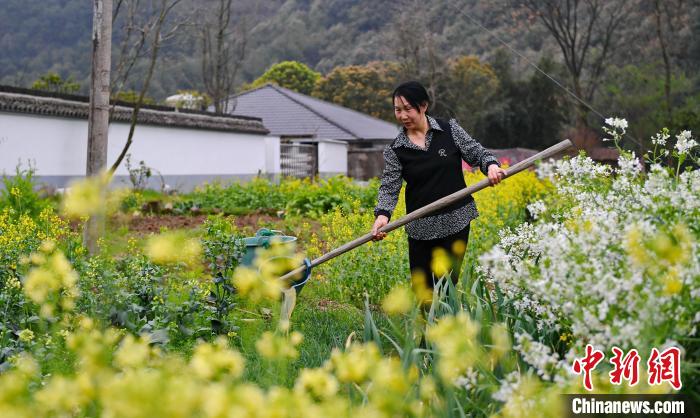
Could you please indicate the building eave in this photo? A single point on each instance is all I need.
(73, 107)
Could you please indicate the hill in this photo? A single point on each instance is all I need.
(40, 36)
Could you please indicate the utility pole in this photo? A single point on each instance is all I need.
(98, 118)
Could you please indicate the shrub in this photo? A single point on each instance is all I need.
(18, 193)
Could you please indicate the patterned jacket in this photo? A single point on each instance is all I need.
(443, 224)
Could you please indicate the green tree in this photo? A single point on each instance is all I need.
(54, 83)
(293, 75)
(468, 91)
(365, 88)
(639, 94)
(528, 112)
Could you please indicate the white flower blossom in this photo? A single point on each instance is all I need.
(546, 169)
(546, 363)
(660, 139)
(579, 268)
(654, 168)
(469, 380)
(618, 123)
(628, 165)
(685, 142)
(536, 209)
(508, 386)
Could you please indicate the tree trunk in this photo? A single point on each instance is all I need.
(581, 123)
(667, 63)
(98, 120)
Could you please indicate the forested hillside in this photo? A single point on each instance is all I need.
(54, 35)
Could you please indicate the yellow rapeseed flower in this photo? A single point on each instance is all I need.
(459, 247)
(255, 286)
(132, 352)
(37, 258)
(455, 338)
(60, 265)
(217, 359)
(663, 246)
(60, 397)
(388, 376)
(26, 365)
(423, 293)
(635, 246)
(318, 382)
(278, 347)
(40, 283)
(500, 340)
(86, 197)
(355, 364)
(441, 263)
(398, 301)
(47, 246)
(13, 283)
(427, 389)
(173, 248)
(26, 335)
(684, 242)
(215, 400)
(673, 247)
(246, 400)
(672, 283)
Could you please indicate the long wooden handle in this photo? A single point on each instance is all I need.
(438, 204)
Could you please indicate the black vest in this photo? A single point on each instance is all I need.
(433, 174)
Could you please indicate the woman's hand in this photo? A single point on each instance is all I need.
(378, 224)
(496, 174)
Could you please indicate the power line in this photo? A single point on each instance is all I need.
(533, 65)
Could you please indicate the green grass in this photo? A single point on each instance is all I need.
(324, 326)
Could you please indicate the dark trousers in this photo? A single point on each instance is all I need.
(420, 256)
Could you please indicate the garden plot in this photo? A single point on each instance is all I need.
(168, 323)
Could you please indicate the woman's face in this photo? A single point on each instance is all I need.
(408, 115)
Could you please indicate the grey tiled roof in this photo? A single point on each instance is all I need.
(77, 107)
(288, 113)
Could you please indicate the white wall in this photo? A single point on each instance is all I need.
(190, 151)
(333, 157)
(272, 154)
(58, 147)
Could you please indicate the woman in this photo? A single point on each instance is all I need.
(428, 155)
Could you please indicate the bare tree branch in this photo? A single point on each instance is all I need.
(223, 52)
(585, 32)
(142, 38)
(417, 50)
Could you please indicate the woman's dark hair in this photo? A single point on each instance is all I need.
(413, 92)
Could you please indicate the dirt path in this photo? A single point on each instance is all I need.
(248, 224)
(154, 223)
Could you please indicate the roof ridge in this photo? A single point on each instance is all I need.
(74, 98)
(233, 96)
(60, 107)
(283, 91)
(344, 108)
(322, 116)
